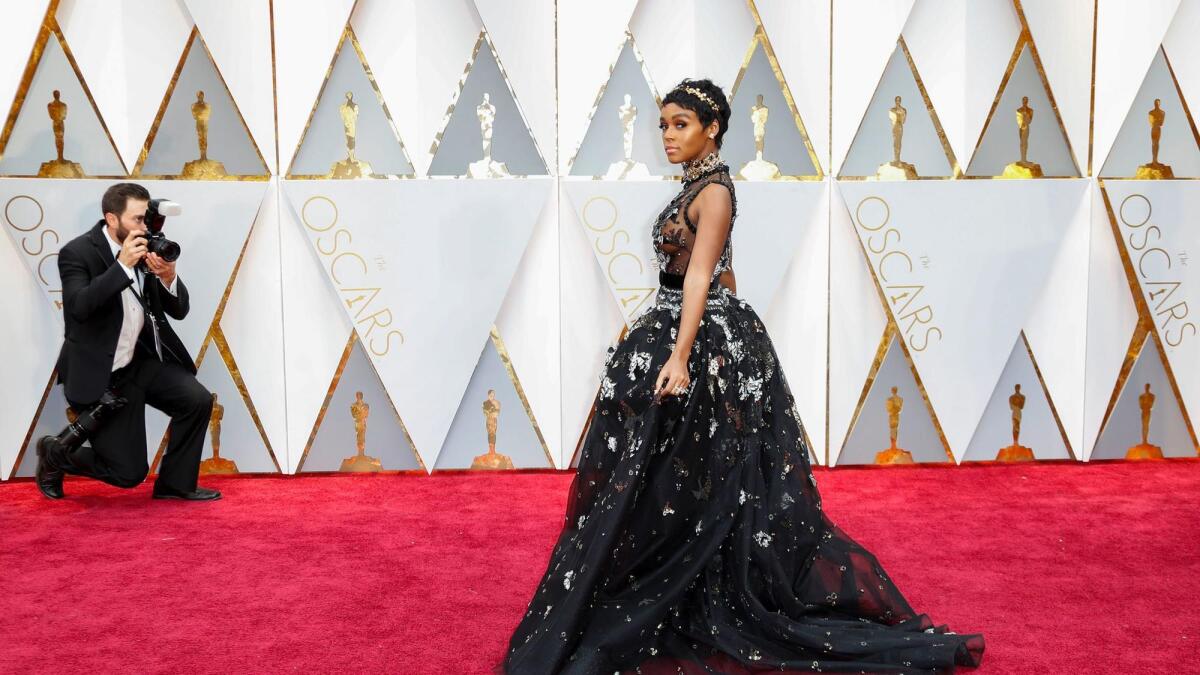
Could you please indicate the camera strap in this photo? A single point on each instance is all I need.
(139, 293)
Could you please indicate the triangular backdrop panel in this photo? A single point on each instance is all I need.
(374, 237)
(51, 419)
(240, 438)
(916, 432)
(1171, 293)
(1177, 144)
(516, 434)
(1038, 432)
(462, 142)
(1124, 427)
(376, 139)
(175, 140)
(336, 438)
(920, 144)
(784, 141)
(1000, 144)
(85, 139)
(603, 144)
(943, 251)
(615, 216)
(773, 219)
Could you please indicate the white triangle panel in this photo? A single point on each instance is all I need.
(802, 49)
(528, 322)
(1062, 32)
(992, 29)
(856, 321)
(864, 36)
(239, 37)
(937, 40)
(253, 322)
(1127, 36)
(18, 32)
(523, 36)
(942, 267)
(590, 38)
(306, 35)
(374, 237)
(1184, 51)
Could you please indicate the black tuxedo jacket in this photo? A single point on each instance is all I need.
(92, 283)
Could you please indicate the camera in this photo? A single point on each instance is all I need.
(156, 217)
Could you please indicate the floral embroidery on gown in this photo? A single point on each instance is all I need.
(694, 540)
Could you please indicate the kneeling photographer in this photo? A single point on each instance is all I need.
(118, 287)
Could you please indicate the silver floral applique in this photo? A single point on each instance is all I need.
(750, 386)
(762, 538)
(568, 578)
(638, 361)
(612, 443)
(607, 388)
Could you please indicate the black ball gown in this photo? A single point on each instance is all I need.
(694, 539)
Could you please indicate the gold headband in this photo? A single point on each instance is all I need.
(703, 97)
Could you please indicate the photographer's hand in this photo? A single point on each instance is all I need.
(133, 249)
(164, 270)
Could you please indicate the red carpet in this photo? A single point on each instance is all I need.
(1064, 568)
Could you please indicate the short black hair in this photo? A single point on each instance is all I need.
(684, 99)
(117, 197)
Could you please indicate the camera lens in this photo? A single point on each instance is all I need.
(165, 248)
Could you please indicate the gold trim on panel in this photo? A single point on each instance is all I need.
(482, 40)
(234, 372)
(333, 385)
(502, 351)
(1092, 91)
(956, 171)
(637, 55)
(1049, 399)
(760, 36)
(889, 331)
(1136, 342)
(348, 33)
(162, 110)
(1025, 39)
(37, 417)
(1187, 111)
(1145, 320)
(50, 27)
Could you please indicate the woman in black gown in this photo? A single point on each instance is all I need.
(694, 539)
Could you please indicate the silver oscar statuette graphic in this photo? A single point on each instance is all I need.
(487, 167)
(627, 168)
(759, 168)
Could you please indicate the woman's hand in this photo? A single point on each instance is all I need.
(673, 379)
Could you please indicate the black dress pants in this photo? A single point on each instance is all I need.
(117, 452)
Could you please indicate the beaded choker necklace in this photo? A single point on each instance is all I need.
(700, 167)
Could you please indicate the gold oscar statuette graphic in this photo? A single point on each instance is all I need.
(627, 168)
(491, 415)
(759, 168)
(1015, 452)
(894, 455)
(1023, 168)
(360, 462)
(216, 463)
(1155, 169)
(487, 167)
(896, 169)
(350, 167)
(59, 167)
(1145, 450)
(202, 168)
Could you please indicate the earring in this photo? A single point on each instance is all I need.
(712, 135)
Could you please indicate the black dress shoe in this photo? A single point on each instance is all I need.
(48, 476)
(200, 494)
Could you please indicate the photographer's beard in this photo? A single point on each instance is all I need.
(131, 219)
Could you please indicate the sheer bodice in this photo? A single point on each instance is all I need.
(674, 233)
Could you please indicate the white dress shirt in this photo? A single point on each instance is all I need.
(135, 317)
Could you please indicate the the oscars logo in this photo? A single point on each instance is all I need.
(361, 462)
(202, 168)
(627, 168)
(894, 455)
(1015, 452)
(1145, 450)
(897, 169)
(351, 166)
(1023, 168)
(59, 167)
(487, 167)
(1155, 169)
(216, 463)
(491, 415)
(759, 168)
